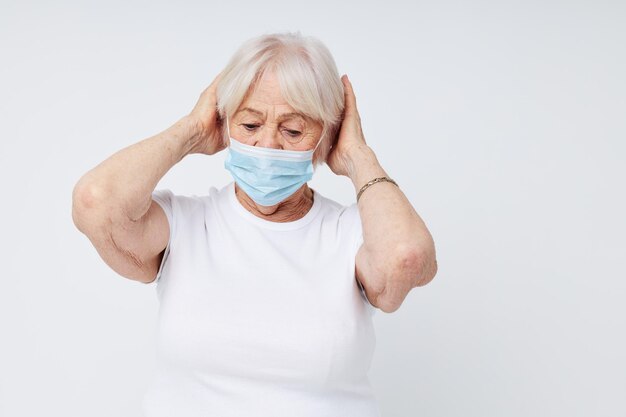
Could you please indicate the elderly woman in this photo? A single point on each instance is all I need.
(266, 287)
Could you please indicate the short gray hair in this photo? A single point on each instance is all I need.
(307, 75)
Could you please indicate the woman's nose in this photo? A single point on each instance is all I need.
(269, 137)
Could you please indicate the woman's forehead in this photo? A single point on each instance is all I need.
(279, 115)
(264, 99)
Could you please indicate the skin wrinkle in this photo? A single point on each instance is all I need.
(135, 259)
(428, 270)
(130, 255)
(309, 133)
(299, 209)
(328, 132)
(392, 294)
(283, 116)
(266, 107)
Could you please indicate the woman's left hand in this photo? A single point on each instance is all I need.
(350, 137)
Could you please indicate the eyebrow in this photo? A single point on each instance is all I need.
(282, 116)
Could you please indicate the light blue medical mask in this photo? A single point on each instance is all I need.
(268, 175)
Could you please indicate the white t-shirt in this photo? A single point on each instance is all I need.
(260, 318)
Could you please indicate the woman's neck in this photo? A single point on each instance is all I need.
(293, 208)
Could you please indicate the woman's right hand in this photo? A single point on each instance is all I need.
(209, 125)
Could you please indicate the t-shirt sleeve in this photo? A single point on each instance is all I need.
(165, 199)
(356, 230)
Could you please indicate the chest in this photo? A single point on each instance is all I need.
(283, 310)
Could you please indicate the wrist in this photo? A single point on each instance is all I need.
(188, 133)
(354, 158)
(363, 166)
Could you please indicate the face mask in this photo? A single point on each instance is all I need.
(268, 175)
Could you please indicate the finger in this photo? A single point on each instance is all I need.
(218, 77)
(350, 98)
(216, 80)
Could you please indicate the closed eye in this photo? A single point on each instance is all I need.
(293, 133)
(250, 126)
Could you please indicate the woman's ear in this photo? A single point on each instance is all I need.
(335, 134)
(224, 130)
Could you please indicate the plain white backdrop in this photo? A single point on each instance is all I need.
(502, 122)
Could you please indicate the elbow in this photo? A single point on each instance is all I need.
(427, 270)
(425, 266)
(85, 200)
(416, 266)
(80, 202)
(413, 268)
(86, 196)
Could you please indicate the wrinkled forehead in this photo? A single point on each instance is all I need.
(279, 117)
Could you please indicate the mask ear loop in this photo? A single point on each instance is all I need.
(318, 144)
(314, 149)
(228, 128)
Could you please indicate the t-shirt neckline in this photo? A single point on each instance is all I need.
(268, 224)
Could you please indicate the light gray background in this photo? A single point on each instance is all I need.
(503, 122)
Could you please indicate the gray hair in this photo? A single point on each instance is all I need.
(307, 75)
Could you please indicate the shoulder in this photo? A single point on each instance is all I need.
(185, 215)
(166, 197)
(177, 206)
(345, 216)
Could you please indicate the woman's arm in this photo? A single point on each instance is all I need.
(112, 203)
(398, 252)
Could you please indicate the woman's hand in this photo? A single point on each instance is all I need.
(205, 118)
(350, 137)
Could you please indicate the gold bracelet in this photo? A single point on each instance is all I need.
(374, 181)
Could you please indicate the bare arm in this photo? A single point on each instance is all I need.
(112, 203)
(398, 251)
